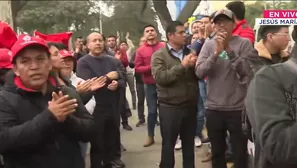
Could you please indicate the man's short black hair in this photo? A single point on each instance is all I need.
(112, 36)
(149, 25)
(79, 37)
(264, 30)
(171, 28)
(238, 8)
(123, 41)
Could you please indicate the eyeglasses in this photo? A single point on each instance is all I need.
(283, 34)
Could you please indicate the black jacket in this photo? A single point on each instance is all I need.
(271, 108)
(31, 137)
(263, 57)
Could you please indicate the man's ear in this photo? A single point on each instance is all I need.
(15, 70)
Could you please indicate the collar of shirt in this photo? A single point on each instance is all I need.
(178, 54)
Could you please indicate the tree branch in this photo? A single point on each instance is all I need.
(162, 12)
(188, 10)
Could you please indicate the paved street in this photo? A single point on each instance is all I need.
(137, 156)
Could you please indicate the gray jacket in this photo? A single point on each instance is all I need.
(271, 108)
(227, 79)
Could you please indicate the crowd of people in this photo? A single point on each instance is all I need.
(57, 106)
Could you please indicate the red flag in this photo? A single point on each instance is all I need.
(7, 36)
(57, 37)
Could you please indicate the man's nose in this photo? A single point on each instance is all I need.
(34, 65)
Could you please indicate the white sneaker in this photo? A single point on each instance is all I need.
(198, 142)
(178, 145)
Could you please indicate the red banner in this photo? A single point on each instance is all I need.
(63, 37)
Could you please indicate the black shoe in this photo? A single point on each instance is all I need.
(140, 122)
(205, 140)
(118, 163)
(127, 127)
(157, 123)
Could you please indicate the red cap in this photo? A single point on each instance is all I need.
(5, 58)
(66, 53)
(25, 41)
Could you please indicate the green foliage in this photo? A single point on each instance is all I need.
(55, 16)
(58, 16)
(254, 11)
(128, 18)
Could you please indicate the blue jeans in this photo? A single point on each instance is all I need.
(201, 109)
(151, 99)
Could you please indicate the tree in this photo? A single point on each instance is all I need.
(16, 6)
(162, 10)
(127, 19)
(254, 11)
(56, 16)
(5, 12)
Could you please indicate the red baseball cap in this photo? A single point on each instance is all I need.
(24, 41)
(66, 53)
(5, 58)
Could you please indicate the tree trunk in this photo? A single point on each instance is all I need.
(5, 12)
(188, 10)
(164, 14)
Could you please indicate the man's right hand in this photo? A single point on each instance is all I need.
(113, 75)
(189, 60)
(61, 107)
(220, 41)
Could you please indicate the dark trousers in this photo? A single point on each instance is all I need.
(140, 101)
(176, 121)
(104, 143)
(218, 123)
(123, 106)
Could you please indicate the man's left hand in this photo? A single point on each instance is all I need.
(113, 86)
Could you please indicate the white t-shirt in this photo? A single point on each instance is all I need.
(90, 106)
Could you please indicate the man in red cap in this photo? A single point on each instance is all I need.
(41, 121)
